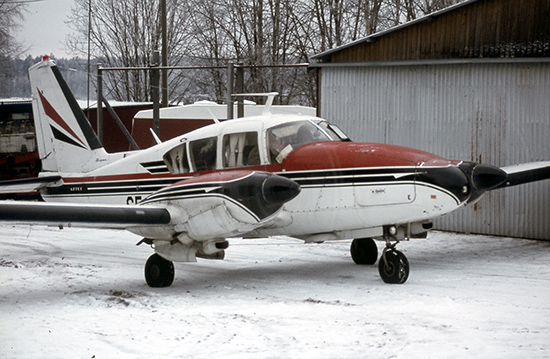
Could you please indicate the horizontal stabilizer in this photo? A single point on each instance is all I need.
(525, 173)
(28, 184)
(99, 216)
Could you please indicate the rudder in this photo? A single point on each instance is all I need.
(66, 141)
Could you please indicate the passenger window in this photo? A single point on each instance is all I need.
(176, 160)
(203, 153)
(240, 149)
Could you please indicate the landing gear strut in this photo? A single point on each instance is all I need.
(393, 266)
(159, 272)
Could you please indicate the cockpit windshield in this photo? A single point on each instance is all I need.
(283, 139)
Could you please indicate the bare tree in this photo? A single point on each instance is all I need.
(126, 34)
(215, 32)
(272, 32)
(11, 12)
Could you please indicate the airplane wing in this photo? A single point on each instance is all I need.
(214, 205)
(82, 215)
(28, 184)
(525, 173)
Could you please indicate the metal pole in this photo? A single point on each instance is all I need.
(318, 91)
(99, 103)
(89, 58)
(155, 79)
(121, 125)
(230, 78)
(240, 89)
(164, 54)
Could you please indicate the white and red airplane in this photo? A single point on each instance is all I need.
(261, 176)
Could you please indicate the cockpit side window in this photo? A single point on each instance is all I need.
(334, 131)
(240, 149)
(203, 153)
(283, 139)
(176, 159)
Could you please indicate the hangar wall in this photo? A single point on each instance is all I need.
(492, 111)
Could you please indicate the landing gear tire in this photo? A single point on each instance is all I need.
(393, 267)
(364, 251)
(159, 272)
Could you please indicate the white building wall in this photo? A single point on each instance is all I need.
(492, 113)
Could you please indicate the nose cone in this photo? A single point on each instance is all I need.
(482, 178)
(278, 190)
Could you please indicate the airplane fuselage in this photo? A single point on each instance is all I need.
(348, 189)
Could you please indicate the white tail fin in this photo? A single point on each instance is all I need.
(66, 141)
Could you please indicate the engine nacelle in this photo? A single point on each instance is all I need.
(223, 204)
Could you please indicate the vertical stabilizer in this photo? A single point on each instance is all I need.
(66, 141)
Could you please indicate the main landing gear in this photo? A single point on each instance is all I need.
(159, 272)
(393, 265)
(364, 251)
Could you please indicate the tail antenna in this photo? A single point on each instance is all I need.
(268, 103)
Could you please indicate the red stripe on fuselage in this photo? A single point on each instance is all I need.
(314, 156)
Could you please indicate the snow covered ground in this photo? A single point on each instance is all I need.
(80, 293)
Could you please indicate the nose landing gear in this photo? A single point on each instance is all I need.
(393, 266)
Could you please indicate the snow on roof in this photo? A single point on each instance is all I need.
(202, 110)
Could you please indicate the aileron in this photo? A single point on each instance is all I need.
(101, 216)
(526, 172)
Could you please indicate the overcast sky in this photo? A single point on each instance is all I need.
(44, 29)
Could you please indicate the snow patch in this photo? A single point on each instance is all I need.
(81, 293)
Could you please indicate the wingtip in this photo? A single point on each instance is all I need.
(526, 173)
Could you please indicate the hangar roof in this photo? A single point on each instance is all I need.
(470, 29)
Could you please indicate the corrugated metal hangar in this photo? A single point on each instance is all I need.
(470, 82)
